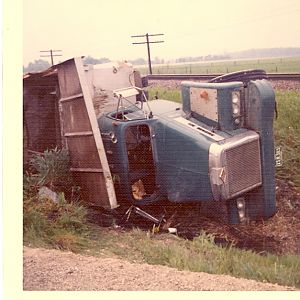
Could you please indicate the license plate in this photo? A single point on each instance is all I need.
(278, 157)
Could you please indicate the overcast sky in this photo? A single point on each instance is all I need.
(103, 28)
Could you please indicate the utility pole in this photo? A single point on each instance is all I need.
(148, 45)
(51, 54)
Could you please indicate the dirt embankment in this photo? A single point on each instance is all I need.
(54, 270)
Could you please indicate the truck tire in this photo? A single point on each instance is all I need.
(245, 76)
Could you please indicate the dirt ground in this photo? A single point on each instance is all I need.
(278, 235)
(57, 270)
(54, 270)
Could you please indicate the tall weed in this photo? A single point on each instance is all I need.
(50, 169)
(62, 225)
(59, 223)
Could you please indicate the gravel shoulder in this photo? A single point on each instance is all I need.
(54, 270)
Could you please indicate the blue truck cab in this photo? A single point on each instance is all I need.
(217, 146)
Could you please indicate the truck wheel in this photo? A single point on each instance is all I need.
(244, 76)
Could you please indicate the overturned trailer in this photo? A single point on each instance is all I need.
(216, 147)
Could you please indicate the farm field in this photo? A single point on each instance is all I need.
(270, 65)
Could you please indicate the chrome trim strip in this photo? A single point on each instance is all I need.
(199, 129)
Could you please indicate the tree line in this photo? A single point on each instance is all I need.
(40, 64)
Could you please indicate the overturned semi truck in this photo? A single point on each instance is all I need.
(216, 147)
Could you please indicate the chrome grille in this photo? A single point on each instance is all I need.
(243, 166)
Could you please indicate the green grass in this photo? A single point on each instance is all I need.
(165, 93)
(287, 135)
(47, 223)
(59, 225)
(198, 255)
(272, 65)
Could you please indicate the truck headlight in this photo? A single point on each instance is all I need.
(236, 105)
(236, 97)
(235, 110)
(240, 203)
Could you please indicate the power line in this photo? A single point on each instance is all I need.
(148, 45)
(51, 54)
(270, 15)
